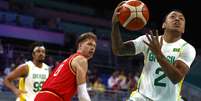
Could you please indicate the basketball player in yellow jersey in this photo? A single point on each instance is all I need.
(32, 74)
(167, 58)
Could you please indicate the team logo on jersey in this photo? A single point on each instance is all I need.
(176, 49)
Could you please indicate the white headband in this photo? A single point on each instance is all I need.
(37, 47)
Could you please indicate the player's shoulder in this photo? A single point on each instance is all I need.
(28, 62)
(80, 59)
(186, 45)
(45, 65)
(22, 68)
(24, 65)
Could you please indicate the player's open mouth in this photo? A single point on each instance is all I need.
(91, 53)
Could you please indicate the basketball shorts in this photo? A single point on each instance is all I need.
(47, 96)
(136, 96)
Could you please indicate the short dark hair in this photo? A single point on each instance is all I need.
(176, 10)
(36, 44)
(84, 36)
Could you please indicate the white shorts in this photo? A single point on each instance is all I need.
(136, 96)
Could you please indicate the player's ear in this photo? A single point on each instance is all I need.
(163, 26)
(79, 45)
(33, 54)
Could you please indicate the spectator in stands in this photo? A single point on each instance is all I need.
(98, 85)
(113, 81)
(8, 69)
(93, 75)
(122, 78)
(131, 82)
(32, 74)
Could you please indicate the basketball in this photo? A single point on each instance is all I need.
(133, 15)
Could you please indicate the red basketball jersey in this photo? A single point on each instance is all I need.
(62, 80)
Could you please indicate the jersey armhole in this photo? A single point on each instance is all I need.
(70, 66)
(22, 87)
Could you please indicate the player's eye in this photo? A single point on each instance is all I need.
(181, 18)
(172, 16)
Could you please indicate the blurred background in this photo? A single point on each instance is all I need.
(57, 23)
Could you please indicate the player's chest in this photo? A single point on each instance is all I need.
(170, 52)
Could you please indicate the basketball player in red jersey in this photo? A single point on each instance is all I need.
(70, 75)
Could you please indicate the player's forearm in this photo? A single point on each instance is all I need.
(170, 70)
(9, 84)
(116, 39)
(83, 93)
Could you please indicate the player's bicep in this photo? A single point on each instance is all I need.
(185, 59)
(80, 66)
(187, 55)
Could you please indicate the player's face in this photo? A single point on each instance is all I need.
(88, 48)
(39, 54)
(175, 21)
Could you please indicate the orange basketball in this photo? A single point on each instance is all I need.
(133, 15)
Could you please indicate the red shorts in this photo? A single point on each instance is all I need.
(47, 96)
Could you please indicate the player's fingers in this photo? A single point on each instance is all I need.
(148, 37)
(147, 43)
(121, 3)
(156, 37)
(161, 41)
(152, 35)
(156, 34)
(119, 6)
(117, 10)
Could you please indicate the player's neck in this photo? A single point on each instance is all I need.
(81, 53)
(37, 63)
(171, 37)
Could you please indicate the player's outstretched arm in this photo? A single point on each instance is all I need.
(119, 47)
(80, 66)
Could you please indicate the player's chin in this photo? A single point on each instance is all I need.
(41, 60)
(178, 30)
(90, 56)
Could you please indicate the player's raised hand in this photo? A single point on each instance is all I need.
(154, 43)
(115, 17)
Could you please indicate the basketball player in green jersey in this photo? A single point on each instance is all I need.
(32, 74)
(167, 58)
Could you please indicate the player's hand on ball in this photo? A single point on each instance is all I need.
(115, 17)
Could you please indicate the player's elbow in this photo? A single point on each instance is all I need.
(177, 79)
(116, 52)
(6, 80)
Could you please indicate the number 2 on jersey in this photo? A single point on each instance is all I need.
(157, 81)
